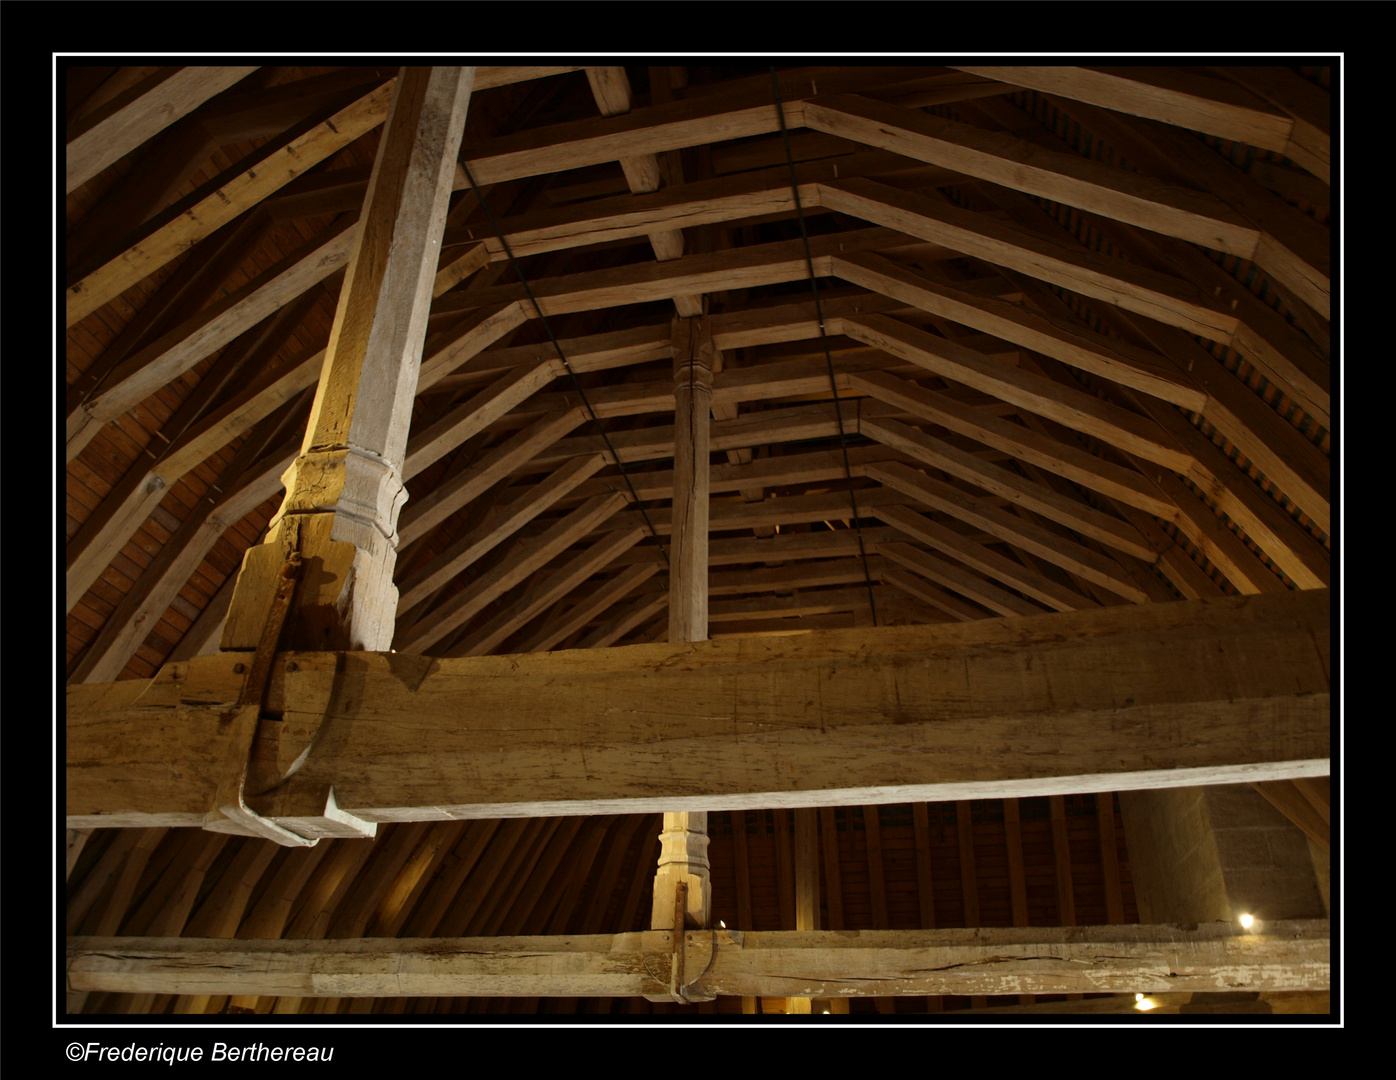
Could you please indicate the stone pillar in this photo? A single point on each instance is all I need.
(1211, 854)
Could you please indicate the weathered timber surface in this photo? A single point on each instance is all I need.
(1283, 956)
(1195, 692)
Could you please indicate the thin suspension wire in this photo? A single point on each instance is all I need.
(576, 383)
(824, 337)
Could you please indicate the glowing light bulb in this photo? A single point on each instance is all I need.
(1144, 1005)
(722, 924)
(1138, 997)
(1247, 921)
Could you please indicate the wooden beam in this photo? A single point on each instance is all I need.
(988, 562)
(207, 331)
(958, 580)
(1289, 955)
(585, 609)
(499, 524)
(1192, 215)
(1042, 543)
(596, 557)
(1073, 513)
(809, 720)
(1030, 391)
(1038, 253)
(273, 168)
(1076, 347)
(1017, 872)
(1054, 455)
(1189, 98)
(107, 134)
(526, 557)
(683, 858)
(344, 492)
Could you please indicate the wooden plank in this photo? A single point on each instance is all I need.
(182, 347)
(631, 713)
(1303, 102)
(473, 416)
(107, 134)
(1076, 347)
(627, 619)
(1292, 548)
(1291, 955)
(240, 487)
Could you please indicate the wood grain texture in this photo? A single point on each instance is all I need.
(896, 714)
(1291, 955)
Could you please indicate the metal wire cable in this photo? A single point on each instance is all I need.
(824, 337)
(576, 383)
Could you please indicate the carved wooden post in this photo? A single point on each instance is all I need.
(331, 548)
(344, 491)
(683, 852)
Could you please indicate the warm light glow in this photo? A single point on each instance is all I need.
(1138, 997)
(1144, 1004)
(1247, 921)
(826, 1012)
(722, 924)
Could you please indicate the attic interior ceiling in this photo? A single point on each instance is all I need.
(1080, 357)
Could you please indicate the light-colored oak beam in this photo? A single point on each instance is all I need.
(801, 706)
(345, 490)
(107, 134)
(1189, 98)
(1290, 955)
(270, 172)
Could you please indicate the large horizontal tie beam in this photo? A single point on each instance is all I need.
(1279, 956)
(1108, 699)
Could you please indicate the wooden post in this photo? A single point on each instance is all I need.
(693, 392)
(345, 489)
(806, 885)
(684, 841)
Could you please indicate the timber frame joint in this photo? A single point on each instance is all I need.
(230, 812)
